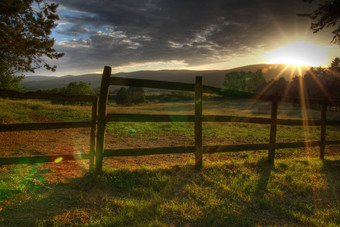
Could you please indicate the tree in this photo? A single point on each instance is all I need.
(25, 26)
(8, 81)
(73, 88)
(244, 81)
(335, 64)
(137, 94)
(318, 82)
(123, 97)
(79, 88)
(326, 15)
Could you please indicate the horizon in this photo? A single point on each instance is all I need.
(194, 70)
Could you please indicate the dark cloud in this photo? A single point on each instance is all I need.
(194, 31)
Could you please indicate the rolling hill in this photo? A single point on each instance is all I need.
(210, 77)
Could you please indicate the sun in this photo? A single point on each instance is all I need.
(298, 53)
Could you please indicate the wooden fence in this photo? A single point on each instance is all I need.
(55, 125)
(100, 118)
(198, 118)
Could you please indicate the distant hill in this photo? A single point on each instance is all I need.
(210, 77)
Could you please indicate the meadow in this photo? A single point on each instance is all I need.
(232, 189)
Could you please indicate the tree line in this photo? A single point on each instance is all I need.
(316, 83)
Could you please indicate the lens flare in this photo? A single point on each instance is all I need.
(57, 160)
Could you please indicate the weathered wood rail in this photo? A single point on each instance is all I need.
(53, 125)
(198, 118)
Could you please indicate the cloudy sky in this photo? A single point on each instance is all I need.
(132, 35)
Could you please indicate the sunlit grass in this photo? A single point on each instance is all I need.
(244, 191)
(26, 111)
(241, 190)
(228, 133)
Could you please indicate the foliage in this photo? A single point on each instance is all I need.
(173, 96)
(79, 88)
(244, 81)
(326, 15)
(132, 95)
(9, 81)
(123, 97)
(74, 88)
(317, 82)
(137, 94)
(25, 26)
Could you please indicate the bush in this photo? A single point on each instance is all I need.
(74, 88)
(123, 97)
(132, 95)
(137, 94)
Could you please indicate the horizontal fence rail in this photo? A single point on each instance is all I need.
(157, 151)
(167, 85)
(149, 118)
(151, 84)
(43, 126)
(42, 159)
(208, 149)
(210, 118)
(209, 90)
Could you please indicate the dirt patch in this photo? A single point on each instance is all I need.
(61, 141)
(75, 141)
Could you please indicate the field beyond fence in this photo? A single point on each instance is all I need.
(198, 118)
(100, 119)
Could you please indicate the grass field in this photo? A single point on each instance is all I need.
(234, 189)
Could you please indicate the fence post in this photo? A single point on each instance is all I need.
(273, 121)
(93, 134)
(323, 129)
(198, 123)
(103, 96)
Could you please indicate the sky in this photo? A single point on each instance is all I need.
(132, 35)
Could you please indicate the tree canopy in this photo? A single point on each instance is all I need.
(25, 27)
(326, 15)
(317, 83)
(244, 81)
(73, 88)
(123, 97)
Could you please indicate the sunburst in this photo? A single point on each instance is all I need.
(298, 53)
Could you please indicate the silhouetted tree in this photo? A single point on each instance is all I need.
(24, 37)
(79, 88)
(244, 81)
(317, 82)
(73, 88)
(123, 97)
(326, 15)
(137, 94)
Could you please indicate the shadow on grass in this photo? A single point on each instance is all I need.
(83, 198)
(331, 169)
(239, 194)
(264, 169)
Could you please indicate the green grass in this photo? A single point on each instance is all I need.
(213, 133)
(240, 192)
(27, 111)
(35, 111)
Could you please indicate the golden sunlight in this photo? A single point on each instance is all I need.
(299, 53)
